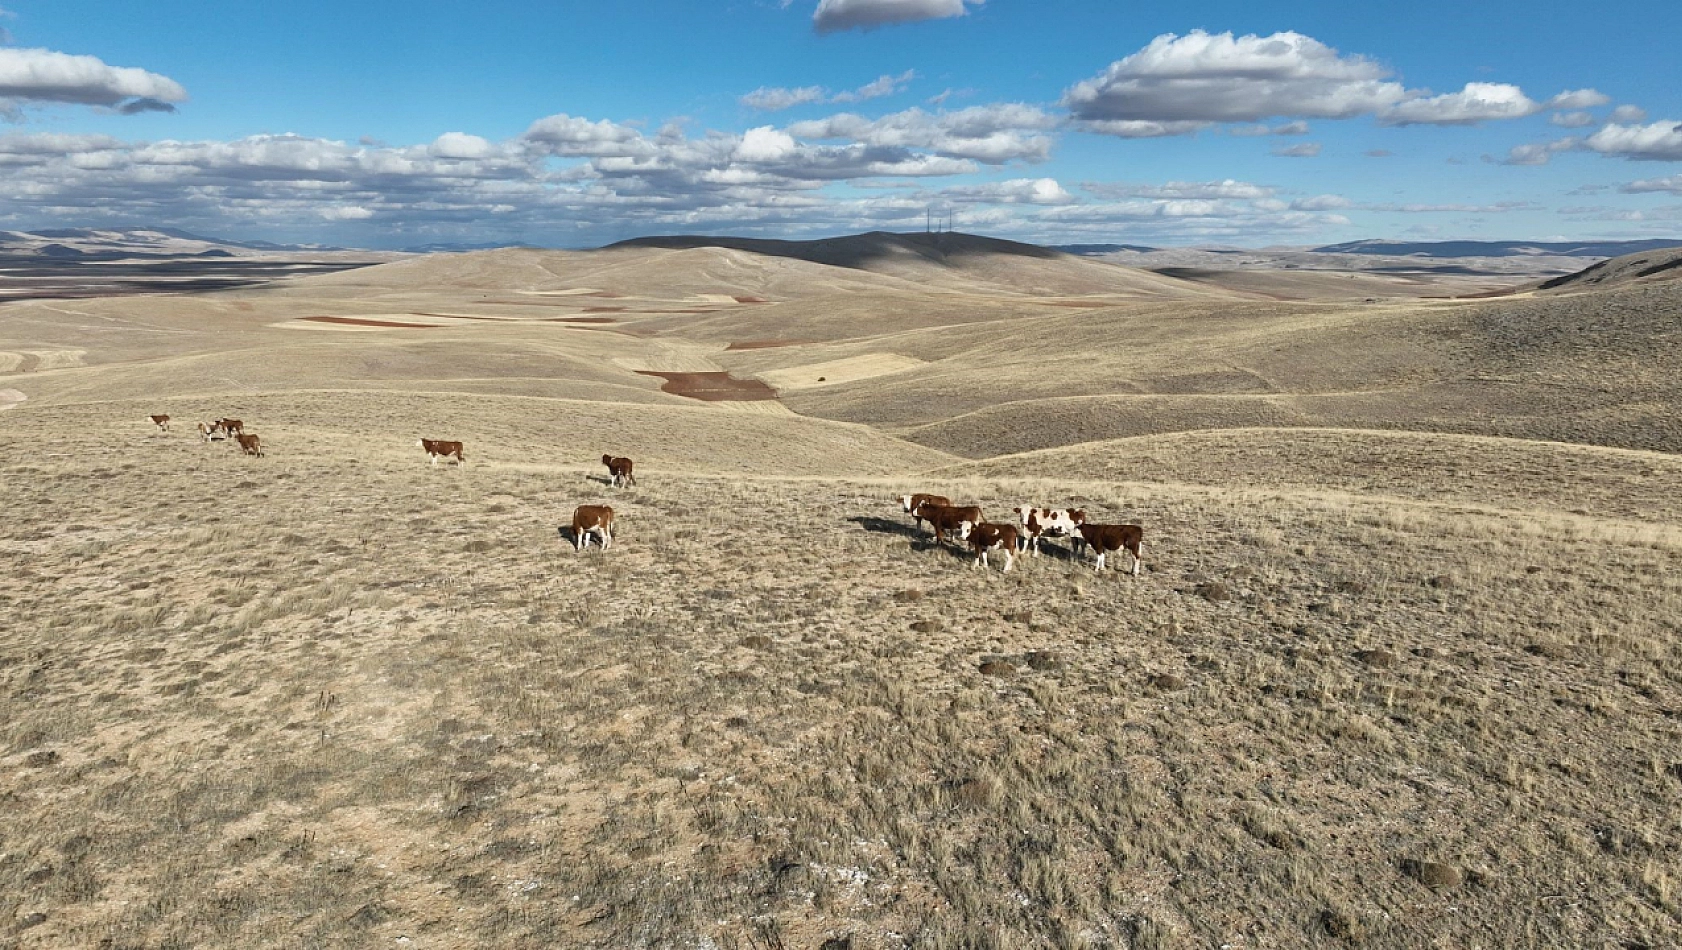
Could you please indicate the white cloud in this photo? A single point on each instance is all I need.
(1206, 78)
(1034, 191)
(44, 76)
(1536, 154)
(459, 145)
(1579, 99)
(1572, 120)
(346, 213)
(1478, 102)
(566, 135)
(1673, 185)
(1181, 189)
(993, 134)
(1660, 141)
(1629, 115)
(834, 15)
(1301, 150)
(765, 144)
(1322, 203)
(776, 99)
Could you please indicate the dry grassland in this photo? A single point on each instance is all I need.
(1373, 688)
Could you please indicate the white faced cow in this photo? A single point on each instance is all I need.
(161, 421)
(986, 537)
(1056, 522)
(437, 449)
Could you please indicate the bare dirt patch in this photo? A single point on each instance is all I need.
(713, 387)
(763, 344)
(365, 322)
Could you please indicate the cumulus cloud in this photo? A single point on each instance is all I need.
(1673, 185)
(1034, 191)
(459, 145)
(993, 134)
(1478, 102)
(34, 76)
(775, 99)
(835, 15)
(1660, 141)
(1322, 203)
(1579, 99)
(1206, 78)
(570, 136)
(1227, 188)
(1538, 153)
(1302, 150)
(1629, 115)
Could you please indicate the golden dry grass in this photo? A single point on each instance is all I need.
(1374, 688)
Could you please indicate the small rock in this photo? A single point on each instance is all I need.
(909, 596)
(997, 668)
(1550, 651)
(32, 920)
(1341, 925)
(42, 759)
(1043, 660)
(1440, 582)
(757, 641)
(1167, 681)
(1380, 659)
(926, 626)
(1213, 591)
(1434, 874)
(1019, 616)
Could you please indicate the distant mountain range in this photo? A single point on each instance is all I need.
(105, 244)
(1499, 248)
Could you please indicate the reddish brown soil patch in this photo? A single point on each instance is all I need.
(762, 344)
(713, 387)
(752, 300)
(460, 316)
(360, 322)
(579, 320)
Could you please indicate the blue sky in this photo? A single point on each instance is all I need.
(386, 124)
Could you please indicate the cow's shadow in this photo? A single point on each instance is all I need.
(920, 539)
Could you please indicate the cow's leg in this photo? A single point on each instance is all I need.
(1138, 557)
(1100, 566)
(1008, 559)
(607, 537)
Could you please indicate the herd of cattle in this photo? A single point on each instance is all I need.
(1031, 525)
(966, 521)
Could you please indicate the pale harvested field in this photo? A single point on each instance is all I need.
(1377, 685)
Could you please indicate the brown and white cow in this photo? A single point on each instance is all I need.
(438, 448)
(162, 422)
(620, 469)
(913, 502)
(212, 431)
(986, 537)
(592, 519)
(944, 518)
(1057, 522)
(250, 444)
(230, 426)
(1105, 538)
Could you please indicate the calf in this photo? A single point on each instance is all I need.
(162, 422)
(1057, 522)
(991, 537)
(592, 519)
(230, 426)
(1105, 538)
(250, 444)
(944, 518)
(212, 431)
(913, 502)
(620, 470)
(438, 448)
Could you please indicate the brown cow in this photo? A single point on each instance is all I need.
(1105, 538)
(250, 444)
(620, 469)
(944, 518)
(438, 448)
(990, 537)
(212, 431)
(230, 426)
(912, 502)
(162, 422)
(592, 519)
